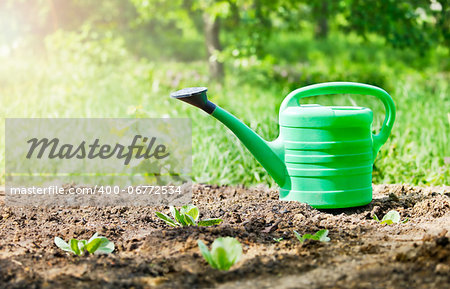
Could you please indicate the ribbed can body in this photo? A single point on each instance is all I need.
(328, 155)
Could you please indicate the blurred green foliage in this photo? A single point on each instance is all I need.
(82, 58)
(244, 26)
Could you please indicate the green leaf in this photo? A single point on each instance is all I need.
(93, 245)
(93, 237)
(226, 252)
(189, 220)
(105, 246)
(166, 219)
(63, 245)
(299, 237)
(391, 217)
(322, 236)
(179, 217)
(308, 236)
(82, 245)
(173, 212)
(190, 210)
(206, 254)
(74, 247)
(99, 245)
(209, 222)
(221, 258)
(375, 217)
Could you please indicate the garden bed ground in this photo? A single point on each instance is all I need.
(361, 253)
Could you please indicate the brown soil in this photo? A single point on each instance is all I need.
(361, 253)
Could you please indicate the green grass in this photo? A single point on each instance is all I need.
(79, 81)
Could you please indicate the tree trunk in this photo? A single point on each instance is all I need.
(321, 30)
(212, 30)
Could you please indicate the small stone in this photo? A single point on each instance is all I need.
(299, 218)
(442, 268)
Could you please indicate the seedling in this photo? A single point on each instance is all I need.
(225, 252)
(392, 217)
(95, 245)
(186, 216)
(278, 240)
(319, 236)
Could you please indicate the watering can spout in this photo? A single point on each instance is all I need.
(324, 154)
(269, 154)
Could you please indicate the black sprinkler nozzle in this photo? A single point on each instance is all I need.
(195, 96)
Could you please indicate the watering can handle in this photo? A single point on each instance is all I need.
(353, 88)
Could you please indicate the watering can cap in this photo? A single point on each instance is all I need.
(314, 115)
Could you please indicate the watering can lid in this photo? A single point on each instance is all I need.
(315, 115)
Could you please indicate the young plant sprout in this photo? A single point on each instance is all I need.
(392, 217)
(225, 252)
(278, 240)
(319, 236)
(95, 245)
(186, 216)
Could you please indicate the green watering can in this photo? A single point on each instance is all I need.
(324, 154)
